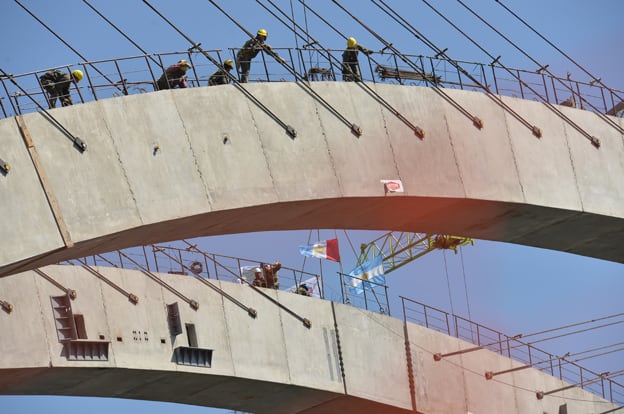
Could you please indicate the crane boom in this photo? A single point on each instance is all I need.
(400, 248)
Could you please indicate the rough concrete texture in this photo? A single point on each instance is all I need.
(350, 360)
(205, 161)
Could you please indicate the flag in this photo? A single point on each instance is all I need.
(371, 271)
(248, 273)
(326, 249)
(312, 284)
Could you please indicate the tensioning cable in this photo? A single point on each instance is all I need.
(439, 52)
(333, 61)
(355, 129)
(477, 122)
(85, 60)
(595, 141)
(594, 78)
(123, 34)
(196, 46)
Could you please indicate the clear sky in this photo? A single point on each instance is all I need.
(510, 288)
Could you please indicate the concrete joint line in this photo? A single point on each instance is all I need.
(576, 184)
(459, 174)
(123, 169)
(410, 367)
(188, 140)
(385, 124)
(342, 370)
(266, 159)
(513, 154)
(329, 153)
(43, 179)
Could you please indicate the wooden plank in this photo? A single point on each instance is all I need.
(52, 201)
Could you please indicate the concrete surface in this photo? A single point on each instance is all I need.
(350, 360)
(499, 183)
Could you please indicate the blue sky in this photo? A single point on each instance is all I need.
(510, 288)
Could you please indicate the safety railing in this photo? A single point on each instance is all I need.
(193, 262)
(139, 73)
(364, 294)
(511, 347)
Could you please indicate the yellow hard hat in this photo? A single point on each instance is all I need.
(184, 64)
(262, 32)
(77, 74)
(351, 42)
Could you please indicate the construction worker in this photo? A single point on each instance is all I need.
(350, 64)
(270, 274)
(174, 76)
(258, 278)
(303, 290)
(56, 84)
(221, 77)
(250, 50)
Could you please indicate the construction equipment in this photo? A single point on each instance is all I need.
(400, 248)
(386, 72)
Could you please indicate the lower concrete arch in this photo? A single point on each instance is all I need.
(158, 168)
(347, 360)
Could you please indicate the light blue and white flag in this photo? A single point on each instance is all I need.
(371, 271)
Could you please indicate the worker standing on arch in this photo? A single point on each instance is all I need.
(250, 50)
(350, 64)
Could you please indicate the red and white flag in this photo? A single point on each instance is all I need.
(326, 249)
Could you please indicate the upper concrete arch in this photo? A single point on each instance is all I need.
(498, 183)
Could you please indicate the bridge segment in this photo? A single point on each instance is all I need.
(216, 354)
(205, 161)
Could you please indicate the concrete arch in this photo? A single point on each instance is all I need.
(158, 168)
(349, 360)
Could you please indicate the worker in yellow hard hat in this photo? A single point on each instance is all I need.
(250, 50)
(174, 76)
(56, 83)
(221, 76)
(350, 64)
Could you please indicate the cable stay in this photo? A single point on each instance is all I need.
(595, 141)
(134, 299)
(78, 143)
(250, 311)
(544, 68)
(595, 79)
(477, 122)
(71, 293)
(302, 82)
(332, 60)
(196, 46)
(85, 60)
(306, 322)
(400, 248)
(442, 53)
(123, 34)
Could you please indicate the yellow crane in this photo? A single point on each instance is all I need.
(400, 248)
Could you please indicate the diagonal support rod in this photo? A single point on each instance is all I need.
(303, 83)
(287, 128)
(332, 60)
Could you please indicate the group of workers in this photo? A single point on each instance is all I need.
(265, 276)
(57, 83)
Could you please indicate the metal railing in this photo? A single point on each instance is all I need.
(191, 261)
(511, 347)
(138, 74)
